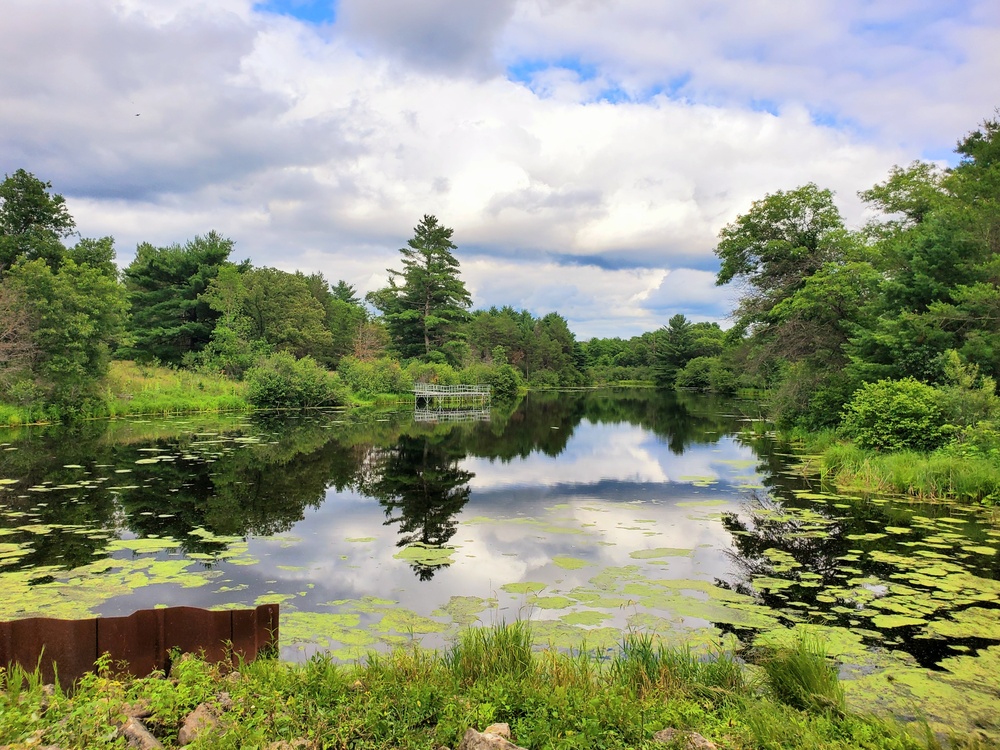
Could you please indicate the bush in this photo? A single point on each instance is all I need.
(697, 373)
(430, 372)
(282, 382)
(895, 415)
(367, 378)
(501, 377)
(544, 379)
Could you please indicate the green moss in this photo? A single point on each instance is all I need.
(551, 602)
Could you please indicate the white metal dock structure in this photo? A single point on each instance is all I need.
(431, 397)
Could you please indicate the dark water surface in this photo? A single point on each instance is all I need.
(588, 513)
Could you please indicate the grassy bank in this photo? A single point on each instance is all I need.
(132, 389)
(419, 699)
(936, 475)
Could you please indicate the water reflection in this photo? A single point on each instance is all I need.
(422, 489)
(327, 503)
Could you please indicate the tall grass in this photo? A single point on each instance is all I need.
(923, 475)
(803, 678)
(644, 664)
(412, 698)
(492, 653)
(133, 389)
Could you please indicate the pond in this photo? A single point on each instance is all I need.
(588, 513)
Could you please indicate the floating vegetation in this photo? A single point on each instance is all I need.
(657, 552)
(569, 563)
(426, 555)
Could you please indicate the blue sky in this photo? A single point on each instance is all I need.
(585, 153)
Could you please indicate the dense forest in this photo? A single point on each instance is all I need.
(835, 325)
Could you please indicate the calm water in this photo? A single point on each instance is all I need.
(587, 513)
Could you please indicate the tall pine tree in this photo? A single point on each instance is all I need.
(426, 303)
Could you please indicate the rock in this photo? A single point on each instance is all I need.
(474, 740)
(684, 740)
(200, 720)
(135, 732)
(501, 729)
(138, 710)
(286, 745)
(225, 701)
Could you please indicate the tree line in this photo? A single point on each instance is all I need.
(66, 311)
(890, 331)
(826, 310)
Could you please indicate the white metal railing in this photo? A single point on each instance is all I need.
(435, 389)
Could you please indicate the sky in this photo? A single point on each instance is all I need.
(585, 152)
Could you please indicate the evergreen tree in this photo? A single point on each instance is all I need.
(677, 346)
(165, 286)
(426, 303)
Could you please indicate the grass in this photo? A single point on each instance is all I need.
(413, 698)
(131, 389)
(923, 475)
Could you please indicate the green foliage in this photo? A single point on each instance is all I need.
(76, 316)
(32, 221)
(281, 381)
(425, 303)
(429, 372)
(966, 398)
(368, 378)
(504, 380)
(803, 678)
(782, 240)
(264, 310)
(544, 379)
(676, 349)
(500, 652)
(893, 415)
(170, 317)
(957, 470)
(697, 374)
(411, 698)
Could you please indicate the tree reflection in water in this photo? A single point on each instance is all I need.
(422, 489)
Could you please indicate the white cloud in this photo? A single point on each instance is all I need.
(320, 147)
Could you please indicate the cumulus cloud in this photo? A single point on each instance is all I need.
(590, 178)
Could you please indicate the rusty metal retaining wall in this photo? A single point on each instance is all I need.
(142, 641)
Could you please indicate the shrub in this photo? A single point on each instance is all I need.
(282, 382)
(367, 378)
(431, 372)
(501, 377)
(544, 379)
(697, 373)
(895, 415)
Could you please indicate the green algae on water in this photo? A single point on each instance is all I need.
(569, 563)
(426, 555)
